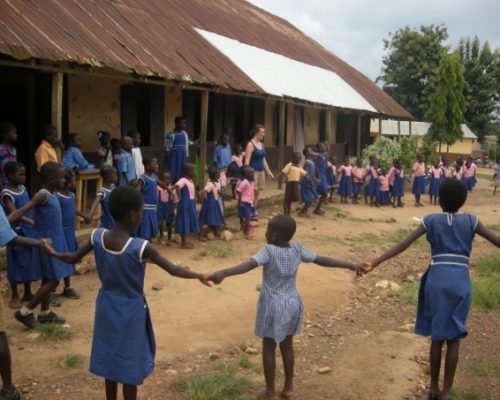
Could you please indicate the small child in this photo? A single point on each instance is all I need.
(358, 175)
(116, 149)
(48, 224)
(73, 157)
(457, 171)
(437, 175)
(373, 184)
(467, 174)
(104, 152)
(109, 176)
(246, 199)
(384, 196)
(136, 153)
(321, 169)
(186, 220)
(234, 169)
(332, 178)
(147, 185)
(210, 213)
(222, 153)
(126, 166)
(123, 344)
(496, 176)
(309, 182)
(473, 172)
(445, 290)
(418, 179)
(397, 183)
(166, 207)
(345, 183)
(280, 311)
(292, 172)
(20, 269)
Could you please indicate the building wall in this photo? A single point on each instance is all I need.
(290, 124)
(173, 106)
(93, 104)
(270, 105)
(311, 125)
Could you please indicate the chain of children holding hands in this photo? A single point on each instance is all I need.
(121, 246)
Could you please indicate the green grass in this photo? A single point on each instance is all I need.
(484, 176)
(486, 369)
(223, 384)
(53, 332)
(466, 394)
(407, 294)
(245, 363)
(486, 287)
(217, 251)
(494, 227)
(398, 235)
(72, 360)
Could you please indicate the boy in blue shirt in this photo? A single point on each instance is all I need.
(126, 164)
(222, 153)
(73, 157)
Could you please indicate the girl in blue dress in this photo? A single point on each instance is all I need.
(109, 175)
(20, 269)
(147, 184)
(166, 206)
(436, 175)
(345, 183)
(48, 224)
(280, 310)
(321, 170)
(373, 182)
(397, 181)
(177, 148)
(445, 290)
(186, 220)
(210, 212)
(332, 177)
(123, 343)
(309, 182)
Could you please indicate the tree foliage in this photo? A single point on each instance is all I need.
(387, 150)
(413, 55)
(446, 101)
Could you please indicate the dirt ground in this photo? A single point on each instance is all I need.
(350, 325)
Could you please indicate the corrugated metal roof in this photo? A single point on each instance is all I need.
(418, 128)
(158, 38)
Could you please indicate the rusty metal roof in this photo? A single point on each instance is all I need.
(158, 38)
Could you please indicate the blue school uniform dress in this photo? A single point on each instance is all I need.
(331, 178)
(166, 210)
(398, 187)
(308, 190)
(445, 290)
(123, 343)
(210, 212)
(68, 212)
(435, 184)
(107, 221)
(186, 220)
(372, 188)
(49, 224)
(280, 310)
(20, 268)
(345, 185)
(149, 225)
(322, 165)
(177, 154)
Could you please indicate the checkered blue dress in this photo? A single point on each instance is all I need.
(279, 309)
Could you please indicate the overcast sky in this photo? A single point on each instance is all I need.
(354, 29)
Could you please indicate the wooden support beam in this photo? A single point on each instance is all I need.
(57, 100)
(409, 128)
(379, 126)
(358, 141)
(203, 136)
(399, 130)
(281, 140)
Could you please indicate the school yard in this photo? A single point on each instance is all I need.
(356, 343)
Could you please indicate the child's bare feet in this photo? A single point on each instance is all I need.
(168, 242)
(286, 394)
(187, 246)
(15, 304)
(265, 395)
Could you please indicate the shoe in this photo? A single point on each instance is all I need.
(51, 318)
(27, 320)
(70, 293)
(55, 300)
(10, 394)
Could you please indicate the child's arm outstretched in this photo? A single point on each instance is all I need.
(37, 199)
(394, 251)
(333, 263)
(151, 254)
(72, 258)
(242, 268)
(93, 209)
(489, 235)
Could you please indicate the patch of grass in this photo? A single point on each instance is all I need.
(246, 363)
(488, 266)
(466, 394)
(407, 294)
(494, 227)
(53, 332)
(72, 360)
(484, 176)
(486, 369)
(369, 238)
(398, 235)
(224, 384)
(486, 287)
(330, 238)
(217, 251)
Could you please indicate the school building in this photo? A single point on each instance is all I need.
(393, 129)
(121, 65)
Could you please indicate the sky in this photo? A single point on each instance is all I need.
(354, 29)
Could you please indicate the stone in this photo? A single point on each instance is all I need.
(227, 236)
(213, 356)
(384, 284)
(258, 287)
(324, 370)
(158, 286)
(251, 350)
(210, 236)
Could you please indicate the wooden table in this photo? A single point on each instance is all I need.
(81, 189)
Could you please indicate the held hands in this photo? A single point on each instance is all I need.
(46, 247)
(205, 279)
(368, 266)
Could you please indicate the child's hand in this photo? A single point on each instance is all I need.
(367, 267)
(87, 219)
(358, 269)
(205, 279)
(216, 277)
(46, 247)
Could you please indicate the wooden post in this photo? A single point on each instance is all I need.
(328, 127)
(57, 100)
(379, 126)
(399, 130)
(281, 141)
(203, 136)
(409, 128)
(358, 141)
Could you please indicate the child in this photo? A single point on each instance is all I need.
(20, 268)
(384, 196)
(222, 153)
(136, 153)
(8, 151)
(418, 179)
(73, 157)
(105, 152)
(332, 178)
(292, 172)
(308, 183)
(397, 183)
(186, 220)
(246, 199)
(147, 185)
(467, 174)
(496, 176)
(457, 171)
(436, 175)
(116, 149)
(210, 212)
(345, 184)
(126, 166)
(358, 175)
(123, 344)
(69, 213)
(280, 310)
(234, 169)
(166, 207)
(109, 176)
(321, 169)
(445, 291)
(473, 172)
(373, 184)
(48, 224)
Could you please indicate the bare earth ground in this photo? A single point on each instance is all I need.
(350, 326)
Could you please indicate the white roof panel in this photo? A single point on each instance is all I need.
(282, 76)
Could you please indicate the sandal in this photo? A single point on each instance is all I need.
(15, 304)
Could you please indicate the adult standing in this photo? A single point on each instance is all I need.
(255, 157)
(47, 151)
(8, 150)
(177, 148)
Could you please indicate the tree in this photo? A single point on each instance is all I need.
(413, 55)
(481, 84)
(446, 102)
